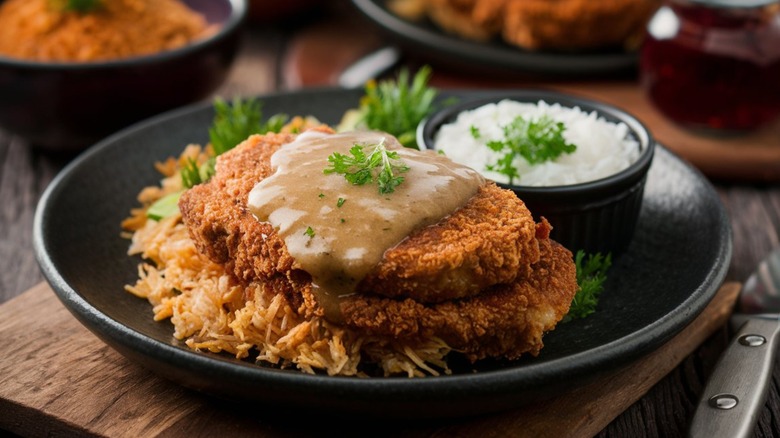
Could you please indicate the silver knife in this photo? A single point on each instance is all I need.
(737, 389)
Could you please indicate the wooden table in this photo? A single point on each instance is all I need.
(263, 66)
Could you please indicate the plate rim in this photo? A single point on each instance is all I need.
(491, 383)
(496, 55)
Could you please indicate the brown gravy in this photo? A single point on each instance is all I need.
(351, 226)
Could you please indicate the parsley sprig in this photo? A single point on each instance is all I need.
(395, 106)
(591, 275)
(536, 141)
(379, 165)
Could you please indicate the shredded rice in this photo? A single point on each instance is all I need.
(212, 312)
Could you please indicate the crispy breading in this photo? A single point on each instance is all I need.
(488, 241)
(507, 320)
(576, 24)
(485, 279)
(545, 24)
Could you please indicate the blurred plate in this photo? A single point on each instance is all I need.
(428, 41)
(671, 270)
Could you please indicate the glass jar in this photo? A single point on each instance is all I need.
(714, 64)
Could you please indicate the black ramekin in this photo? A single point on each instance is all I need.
(596, 216)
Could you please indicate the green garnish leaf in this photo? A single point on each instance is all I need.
(340, 202)
(591, 275)
(475, 132)
(235, 122)
(380, 165)
(536, 141)
(80, 6)
(192, 174)
(321, 195)
(397, 107)
(309, 232)
(166, 206)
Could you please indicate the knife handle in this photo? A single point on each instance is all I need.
(737, 388)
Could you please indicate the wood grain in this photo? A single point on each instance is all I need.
(59, 378)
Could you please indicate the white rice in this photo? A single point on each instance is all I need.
(603, 148)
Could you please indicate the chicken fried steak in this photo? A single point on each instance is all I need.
(484, 278)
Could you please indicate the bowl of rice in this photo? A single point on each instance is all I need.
(579, 163)
(73, 72)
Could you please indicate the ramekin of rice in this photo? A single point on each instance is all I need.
(586, 178)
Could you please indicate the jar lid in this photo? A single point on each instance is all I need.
(734, 4)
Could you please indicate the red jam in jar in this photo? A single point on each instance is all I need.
(714, 64)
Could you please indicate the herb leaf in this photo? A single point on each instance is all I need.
(232, 124)
(235, 122)
(193, 174)
(358, 168)
(397, 107)
(591, 275)
(536, 141)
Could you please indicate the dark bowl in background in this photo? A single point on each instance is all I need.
(69, 106)
(596, 216)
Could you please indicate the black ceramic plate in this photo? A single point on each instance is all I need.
(671, 270)
(428, 40)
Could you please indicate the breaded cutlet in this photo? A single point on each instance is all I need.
(486, 279)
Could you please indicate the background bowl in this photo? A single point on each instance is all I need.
(596, 216)
(69, 106)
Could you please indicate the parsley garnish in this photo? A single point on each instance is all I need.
(232, 124)
(397, 107)
(340, 202)
(192, 174)
(235, 122)
(536, 141)
(591, 274)
(380, 165)
(309, 232)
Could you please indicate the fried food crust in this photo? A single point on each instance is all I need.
(488, 241)
(524, 281)
(545, 24)
(506, 320)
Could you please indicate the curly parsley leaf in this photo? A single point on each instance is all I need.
(591, 275)
(536, 141)
(359, 168)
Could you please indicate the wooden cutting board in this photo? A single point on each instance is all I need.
(311, 60)
(56, 378)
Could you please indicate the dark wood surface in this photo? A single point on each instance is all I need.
(754, 210)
